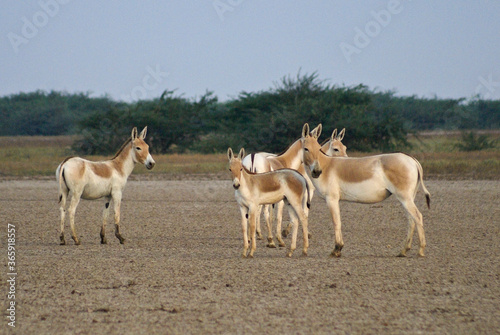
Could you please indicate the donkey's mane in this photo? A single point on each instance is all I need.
(324, 142)
(122, 147)
(288, 147)
(247, 170)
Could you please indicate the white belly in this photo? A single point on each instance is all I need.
(365, 192)
(97, 189)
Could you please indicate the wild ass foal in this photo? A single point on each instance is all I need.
(80, 178)
(366, 180)
(254, 190)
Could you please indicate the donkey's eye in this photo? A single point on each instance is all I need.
(335, 149)
(138, 148)
(305, 149)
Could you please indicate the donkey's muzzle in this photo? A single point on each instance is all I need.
(316, 173)
(150, 165)
(236, 186)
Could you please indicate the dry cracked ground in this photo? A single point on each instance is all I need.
(180, 270)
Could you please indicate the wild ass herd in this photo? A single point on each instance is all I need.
(264, 181)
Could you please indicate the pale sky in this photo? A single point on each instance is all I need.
(137, 49)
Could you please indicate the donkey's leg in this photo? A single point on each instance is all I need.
(421, 233)
(62, 209)
(244, 229)
(305, 231)
(105, 214)
(259, 233)
(333, 206)
(252, 213)
(75, 199)
(117, 199)
(414, 217)
(269, 222)
(409, 236)
(302, 212)
(295, 228)
(279, 220)
(286, 231)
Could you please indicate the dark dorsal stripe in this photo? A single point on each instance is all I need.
(122, 147)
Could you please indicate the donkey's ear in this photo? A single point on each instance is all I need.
(230, 154)
(341, 135)
(305, 130)
(143, 133)
(134, 134)
(334, 134)
(318, 131)
(241, 154)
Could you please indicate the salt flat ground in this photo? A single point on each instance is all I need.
(180, 270)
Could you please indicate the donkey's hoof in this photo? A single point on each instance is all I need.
(304, 253)
(63, 242)
(77, 241)
(259, 235)
(271, 245)
(309, 236)
(284, 233)
(402, 254)
(289, 254)
(336, 253)
(281, 244)
(104, 241)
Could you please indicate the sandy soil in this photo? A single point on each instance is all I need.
(180, 270)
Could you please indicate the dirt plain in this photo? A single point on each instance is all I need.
(180, 270)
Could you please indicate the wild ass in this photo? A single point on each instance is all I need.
(291, 158)
(81, 178)
(332, 147)
(253, 190)
(365, 180)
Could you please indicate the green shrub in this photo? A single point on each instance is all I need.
(472, 141)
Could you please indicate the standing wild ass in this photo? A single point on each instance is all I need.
(255, 189)
(80, 178)
(332, 147)
(366, 180)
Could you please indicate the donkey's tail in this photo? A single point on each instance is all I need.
(421, 180)
(308, 195)
(60, 177)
